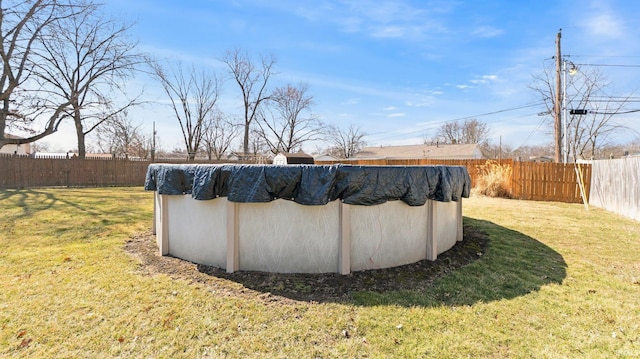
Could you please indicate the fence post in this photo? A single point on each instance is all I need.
(432, 231)
(344, 246)
(233, 257)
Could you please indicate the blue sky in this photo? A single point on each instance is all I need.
(396, 69)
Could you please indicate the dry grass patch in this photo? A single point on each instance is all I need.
(494, 180)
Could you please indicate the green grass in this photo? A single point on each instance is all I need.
(555, 282)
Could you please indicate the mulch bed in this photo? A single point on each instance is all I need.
(327, 287)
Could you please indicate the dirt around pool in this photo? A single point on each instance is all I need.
(281, 288)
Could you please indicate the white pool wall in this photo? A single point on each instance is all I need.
(285, 237)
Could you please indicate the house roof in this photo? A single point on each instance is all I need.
(325, 157)
(20, 148)
(465, 151)
(14, 137)
(295, 155)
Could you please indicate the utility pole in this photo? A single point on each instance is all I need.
(153, 143)
(557, 110)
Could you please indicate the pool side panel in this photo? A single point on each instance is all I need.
(387, 235)
(446, 222)
(197, 229)
(285, 237)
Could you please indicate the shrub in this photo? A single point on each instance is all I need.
(494, 179)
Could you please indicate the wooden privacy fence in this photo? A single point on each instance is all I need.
(24, 172)
(551, 181)
(529, 180)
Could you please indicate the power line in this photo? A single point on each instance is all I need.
(609, 56)
(613, 99)
(607, 65)
(431, 124)
(499, 111)
(613, 113)
(530, 134)
(616, 97)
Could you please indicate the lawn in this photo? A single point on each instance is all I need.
(555, 281)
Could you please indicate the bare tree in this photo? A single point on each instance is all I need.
(122, 137)
(252, 81)
(288, 123)
(587, 133)
(219, 135)
(471, 131)
(346, 143)
(40, 146)
(474, 131)
(85, 63)
(450, 131)
(543, 85)
(193, 98)
(22, 28)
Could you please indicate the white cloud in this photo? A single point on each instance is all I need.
(605, 25)
(424, 99)
(380, 19)
(390, 108)
(487, 32)
(396, 115)
(322, 47)
(389, 31)
(349, 24)
(351, 101)
(421, 103)
(484, 79)
(600, 20)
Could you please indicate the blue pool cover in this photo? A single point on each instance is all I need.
(312, 184)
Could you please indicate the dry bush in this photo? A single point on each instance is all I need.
(494, 179)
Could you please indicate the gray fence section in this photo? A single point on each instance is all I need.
(615, 186)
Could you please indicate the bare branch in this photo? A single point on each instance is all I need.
(219, 134)
(471, 131)
(193, 97)
(287, 124)
(346, 143)
(22, 28)
(79, 65)
(587, 134)
(252, 81)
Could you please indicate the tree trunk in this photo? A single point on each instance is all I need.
(246, 140)
(79, 132)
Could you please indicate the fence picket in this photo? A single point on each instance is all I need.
(530, 180)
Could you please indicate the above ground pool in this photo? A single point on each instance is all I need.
(306, 218)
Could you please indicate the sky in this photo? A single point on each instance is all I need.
(396, 69)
